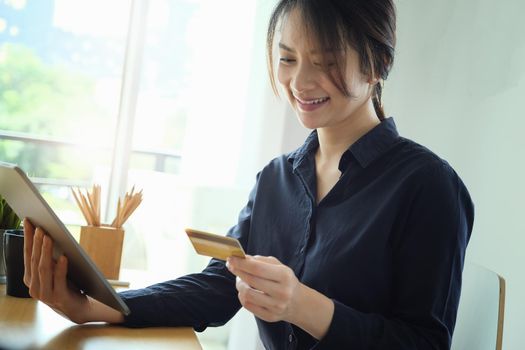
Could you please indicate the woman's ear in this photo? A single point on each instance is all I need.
(372, 80)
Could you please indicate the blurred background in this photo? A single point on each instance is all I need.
(172, 96)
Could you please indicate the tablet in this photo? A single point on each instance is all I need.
(216, 246)
(25, 200)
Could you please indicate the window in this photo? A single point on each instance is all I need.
(147, 93)
(60, 78)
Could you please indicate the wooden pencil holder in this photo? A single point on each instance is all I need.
(103, 244)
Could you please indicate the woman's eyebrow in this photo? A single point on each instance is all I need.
(285, 48)
(314, 52)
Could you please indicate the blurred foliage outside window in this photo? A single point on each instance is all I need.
(60, 78)
(39, 100)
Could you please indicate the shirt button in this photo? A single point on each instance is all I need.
(302, 250)
(290, 338)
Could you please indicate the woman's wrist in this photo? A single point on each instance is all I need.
(313, 312)
(99, 312)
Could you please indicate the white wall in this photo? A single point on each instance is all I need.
(457, 87)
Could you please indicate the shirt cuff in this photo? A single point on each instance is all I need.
(345, 329)
(132, 298)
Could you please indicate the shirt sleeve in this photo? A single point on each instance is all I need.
(427, 263)
(208, 298)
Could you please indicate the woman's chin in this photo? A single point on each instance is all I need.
(308, 122)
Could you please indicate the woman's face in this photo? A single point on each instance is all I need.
(316, 100)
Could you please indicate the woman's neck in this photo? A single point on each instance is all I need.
(335, 140)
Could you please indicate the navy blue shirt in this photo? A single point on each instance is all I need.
(386, 244)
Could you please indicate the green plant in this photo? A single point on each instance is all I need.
(8, 218)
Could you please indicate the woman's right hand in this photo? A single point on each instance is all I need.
(46, 280)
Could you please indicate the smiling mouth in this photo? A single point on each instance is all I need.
(311, 105)
(313, 101)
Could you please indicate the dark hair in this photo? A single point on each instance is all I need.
(368, 26)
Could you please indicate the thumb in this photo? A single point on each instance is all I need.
(267, 259)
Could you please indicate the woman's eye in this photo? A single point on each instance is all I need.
(286, 60)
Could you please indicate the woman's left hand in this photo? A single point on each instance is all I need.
(267, 288)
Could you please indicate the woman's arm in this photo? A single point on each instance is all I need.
(196, 300)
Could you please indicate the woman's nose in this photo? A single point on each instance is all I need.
(304, 78)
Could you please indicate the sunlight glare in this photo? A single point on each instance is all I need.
(77, 17)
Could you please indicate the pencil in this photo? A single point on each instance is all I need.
(80, 205)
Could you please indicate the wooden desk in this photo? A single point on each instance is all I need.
(28, 324)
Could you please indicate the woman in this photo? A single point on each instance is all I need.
(357, 239)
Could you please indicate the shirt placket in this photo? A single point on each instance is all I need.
(306, 173)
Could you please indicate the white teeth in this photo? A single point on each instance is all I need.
(312, 102)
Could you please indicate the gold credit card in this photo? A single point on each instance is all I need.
(216, 246)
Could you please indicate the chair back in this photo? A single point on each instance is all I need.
(479, 324)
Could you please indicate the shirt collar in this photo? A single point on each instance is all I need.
(365, 150)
